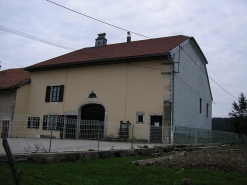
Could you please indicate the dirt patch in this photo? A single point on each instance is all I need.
(226, 158)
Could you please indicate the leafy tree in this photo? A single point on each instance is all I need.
(239, 114)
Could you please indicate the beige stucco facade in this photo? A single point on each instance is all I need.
(123, 89)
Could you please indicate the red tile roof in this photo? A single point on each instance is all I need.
(116, 51)
(12, 78)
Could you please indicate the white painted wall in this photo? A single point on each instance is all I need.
(191, 84)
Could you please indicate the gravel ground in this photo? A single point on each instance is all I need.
(231, 159)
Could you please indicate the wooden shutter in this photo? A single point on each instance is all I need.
(37, 121)
(29, 122)
(61, 93)
(44, 122)
(48, 94)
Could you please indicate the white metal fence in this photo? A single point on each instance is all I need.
(60, 133)
(187, 135)
(25, 128)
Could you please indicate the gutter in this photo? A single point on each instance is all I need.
(97, 62)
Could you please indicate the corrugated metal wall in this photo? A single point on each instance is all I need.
(191, 84)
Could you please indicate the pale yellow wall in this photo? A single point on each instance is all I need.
(22, 98)
(21, 131)
(41, 79)
(145, 89)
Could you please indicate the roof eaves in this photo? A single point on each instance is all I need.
(17, 85)
(98, 62)
(193, 39)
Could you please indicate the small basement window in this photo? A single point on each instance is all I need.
(140, 117)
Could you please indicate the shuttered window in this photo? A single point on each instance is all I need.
(54, 93)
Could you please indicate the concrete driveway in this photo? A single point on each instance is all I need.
(23, 145)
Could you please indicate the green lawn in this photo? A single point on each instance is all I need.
(114, 171)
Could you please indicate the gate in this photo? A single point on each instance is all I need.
(156, 129)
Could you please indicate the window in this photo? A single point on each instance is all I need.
(54, 93)
(140, 117)
(200, 105)
(207, 109)
(50, 121)
(92, 95)
(33, 122)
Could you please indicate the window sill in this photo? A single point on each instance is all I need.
(92, 98)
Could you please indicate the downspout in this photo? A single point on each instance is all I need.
(172, 109)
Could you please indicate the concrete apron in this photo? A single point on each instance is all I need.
(75, 156)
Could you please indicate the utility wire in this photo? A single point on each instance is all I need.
(9, 30)
(148, 67)
(98, 20)
(208, 75)
(139, 35)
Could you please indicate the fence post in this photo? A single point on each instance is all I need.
(156, 135)
(132, 144)
(98, 135)
(188, 137)
(208, 137)
(174, 137)
(196, 138)
(51, 127)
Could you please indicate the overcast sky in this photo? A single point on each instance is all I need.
(219, 27)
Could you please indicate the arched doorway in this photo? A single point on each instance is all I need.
(93, 112)
(92, 124)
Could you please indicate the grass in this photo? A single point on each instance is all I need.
(114, 171)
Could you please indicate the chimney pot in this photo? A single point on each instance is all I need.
(128, 37)
(101, 40)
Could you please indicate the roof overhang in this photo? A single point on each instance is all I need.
(106, 61)
(17, 85)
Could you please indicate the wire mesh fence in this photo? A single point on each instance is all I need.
(49, 133)
(52, 133)
(188, 135)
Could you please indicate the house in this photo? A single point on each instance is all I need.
(13, 83)
(149, 84)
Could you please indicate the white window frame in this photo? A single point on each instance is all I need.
(140, 113)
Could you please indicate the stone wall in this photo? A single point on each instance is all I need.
(7, 99)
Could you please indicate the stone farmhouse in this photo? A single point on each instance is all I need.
(155, 83)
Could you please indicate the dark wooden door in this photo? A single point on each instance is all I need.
(5, 128)
(156, 129)
(91, 129)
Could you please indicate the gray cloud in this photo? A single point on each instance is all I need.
(218, 26)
